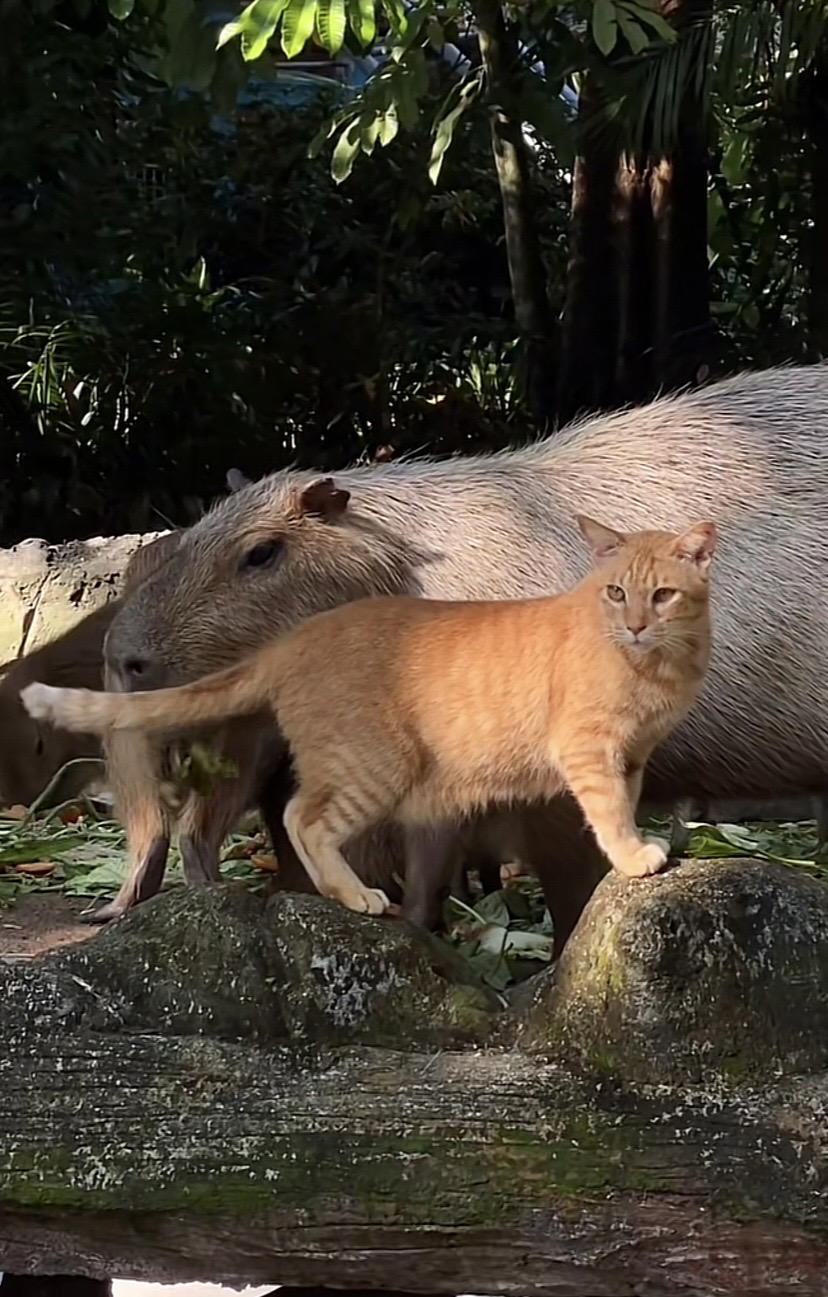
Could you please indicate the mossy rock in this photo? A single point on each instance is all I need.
(353, 980)
(716, 966)
(189, 962)
(223, 963)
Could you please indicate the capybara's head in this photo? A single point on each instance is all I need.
(277, 551)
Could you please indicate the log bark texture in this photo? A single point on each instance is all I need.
(282, 1091)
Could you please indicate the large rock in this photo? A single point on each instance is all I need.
(717, 966)
(224, 963)
(45, 589)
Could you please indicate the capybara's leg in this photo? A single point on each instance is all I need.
(562, 852)
(134, 775)
(433, 856)
(205, 821)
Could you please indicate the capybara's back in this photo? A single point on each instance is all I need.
(751, 453)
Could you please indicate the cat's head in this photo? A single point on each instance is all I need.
(653, 585)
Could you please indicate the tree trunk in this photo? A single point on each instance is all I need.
(637, 315)
(499, 52)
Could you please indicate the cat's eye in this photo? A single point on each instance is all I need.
(663, 594)
(615, 593)
(262, 555)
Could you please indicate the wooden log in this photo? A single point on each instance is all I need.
(287, 1093)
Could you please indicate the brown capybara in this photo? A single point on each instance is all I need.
(750, 452)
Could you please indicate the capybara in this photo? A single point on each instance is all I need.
(750, 452)
(443, 709)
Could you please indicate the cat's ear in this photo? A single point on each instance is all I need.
(697, 545)
(603, 541)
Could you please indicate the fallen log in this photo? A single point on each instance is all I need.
(283, 1092)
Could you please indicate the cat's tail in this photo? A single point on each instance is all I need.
(237, 691)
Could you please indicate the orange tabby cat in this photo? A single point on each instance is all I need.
(422, 711)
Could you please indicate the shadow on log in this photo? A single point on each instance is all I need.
(248, 1092)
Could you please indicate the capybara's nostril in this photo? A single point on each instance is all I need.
(136, 672)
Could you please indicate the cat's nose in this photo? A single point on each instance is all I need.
(635, 631)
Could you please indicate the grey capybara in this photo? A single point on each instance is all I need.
(750, 452)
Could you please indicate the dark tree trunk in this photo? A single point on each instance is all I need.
(637, 316)
(527, 274)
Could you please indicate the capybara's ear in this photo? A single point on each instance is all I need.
(697, 545)
(324, 499)
(236, 479)
(602, 541)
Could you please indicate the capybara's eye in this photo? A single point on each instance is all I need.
(262, 555)
(616, 593)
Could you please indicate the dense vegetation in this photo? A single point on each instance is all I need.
(183, 289)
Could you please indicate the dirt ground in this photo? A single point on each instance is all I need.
(42, 922)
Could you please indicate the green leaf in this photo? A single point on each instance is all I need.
(191, 54)
(604, 26)
(297, 26)
(345, 151)
(256, 25)
(103, 880)
(493, 910)
(121, 8)
(633, 33)
(362, 20)
(652, 19)
(40, 848)
(406, 100)
(330, 22)
(529, 945)
(445, 125)
(389, 125)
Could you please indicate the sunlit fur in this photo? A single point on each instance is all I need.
(426, 711)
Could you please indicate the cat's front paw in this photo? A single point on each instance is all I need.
(647, 859)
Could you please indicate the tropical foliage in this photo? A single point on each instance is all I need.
(184, 289)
